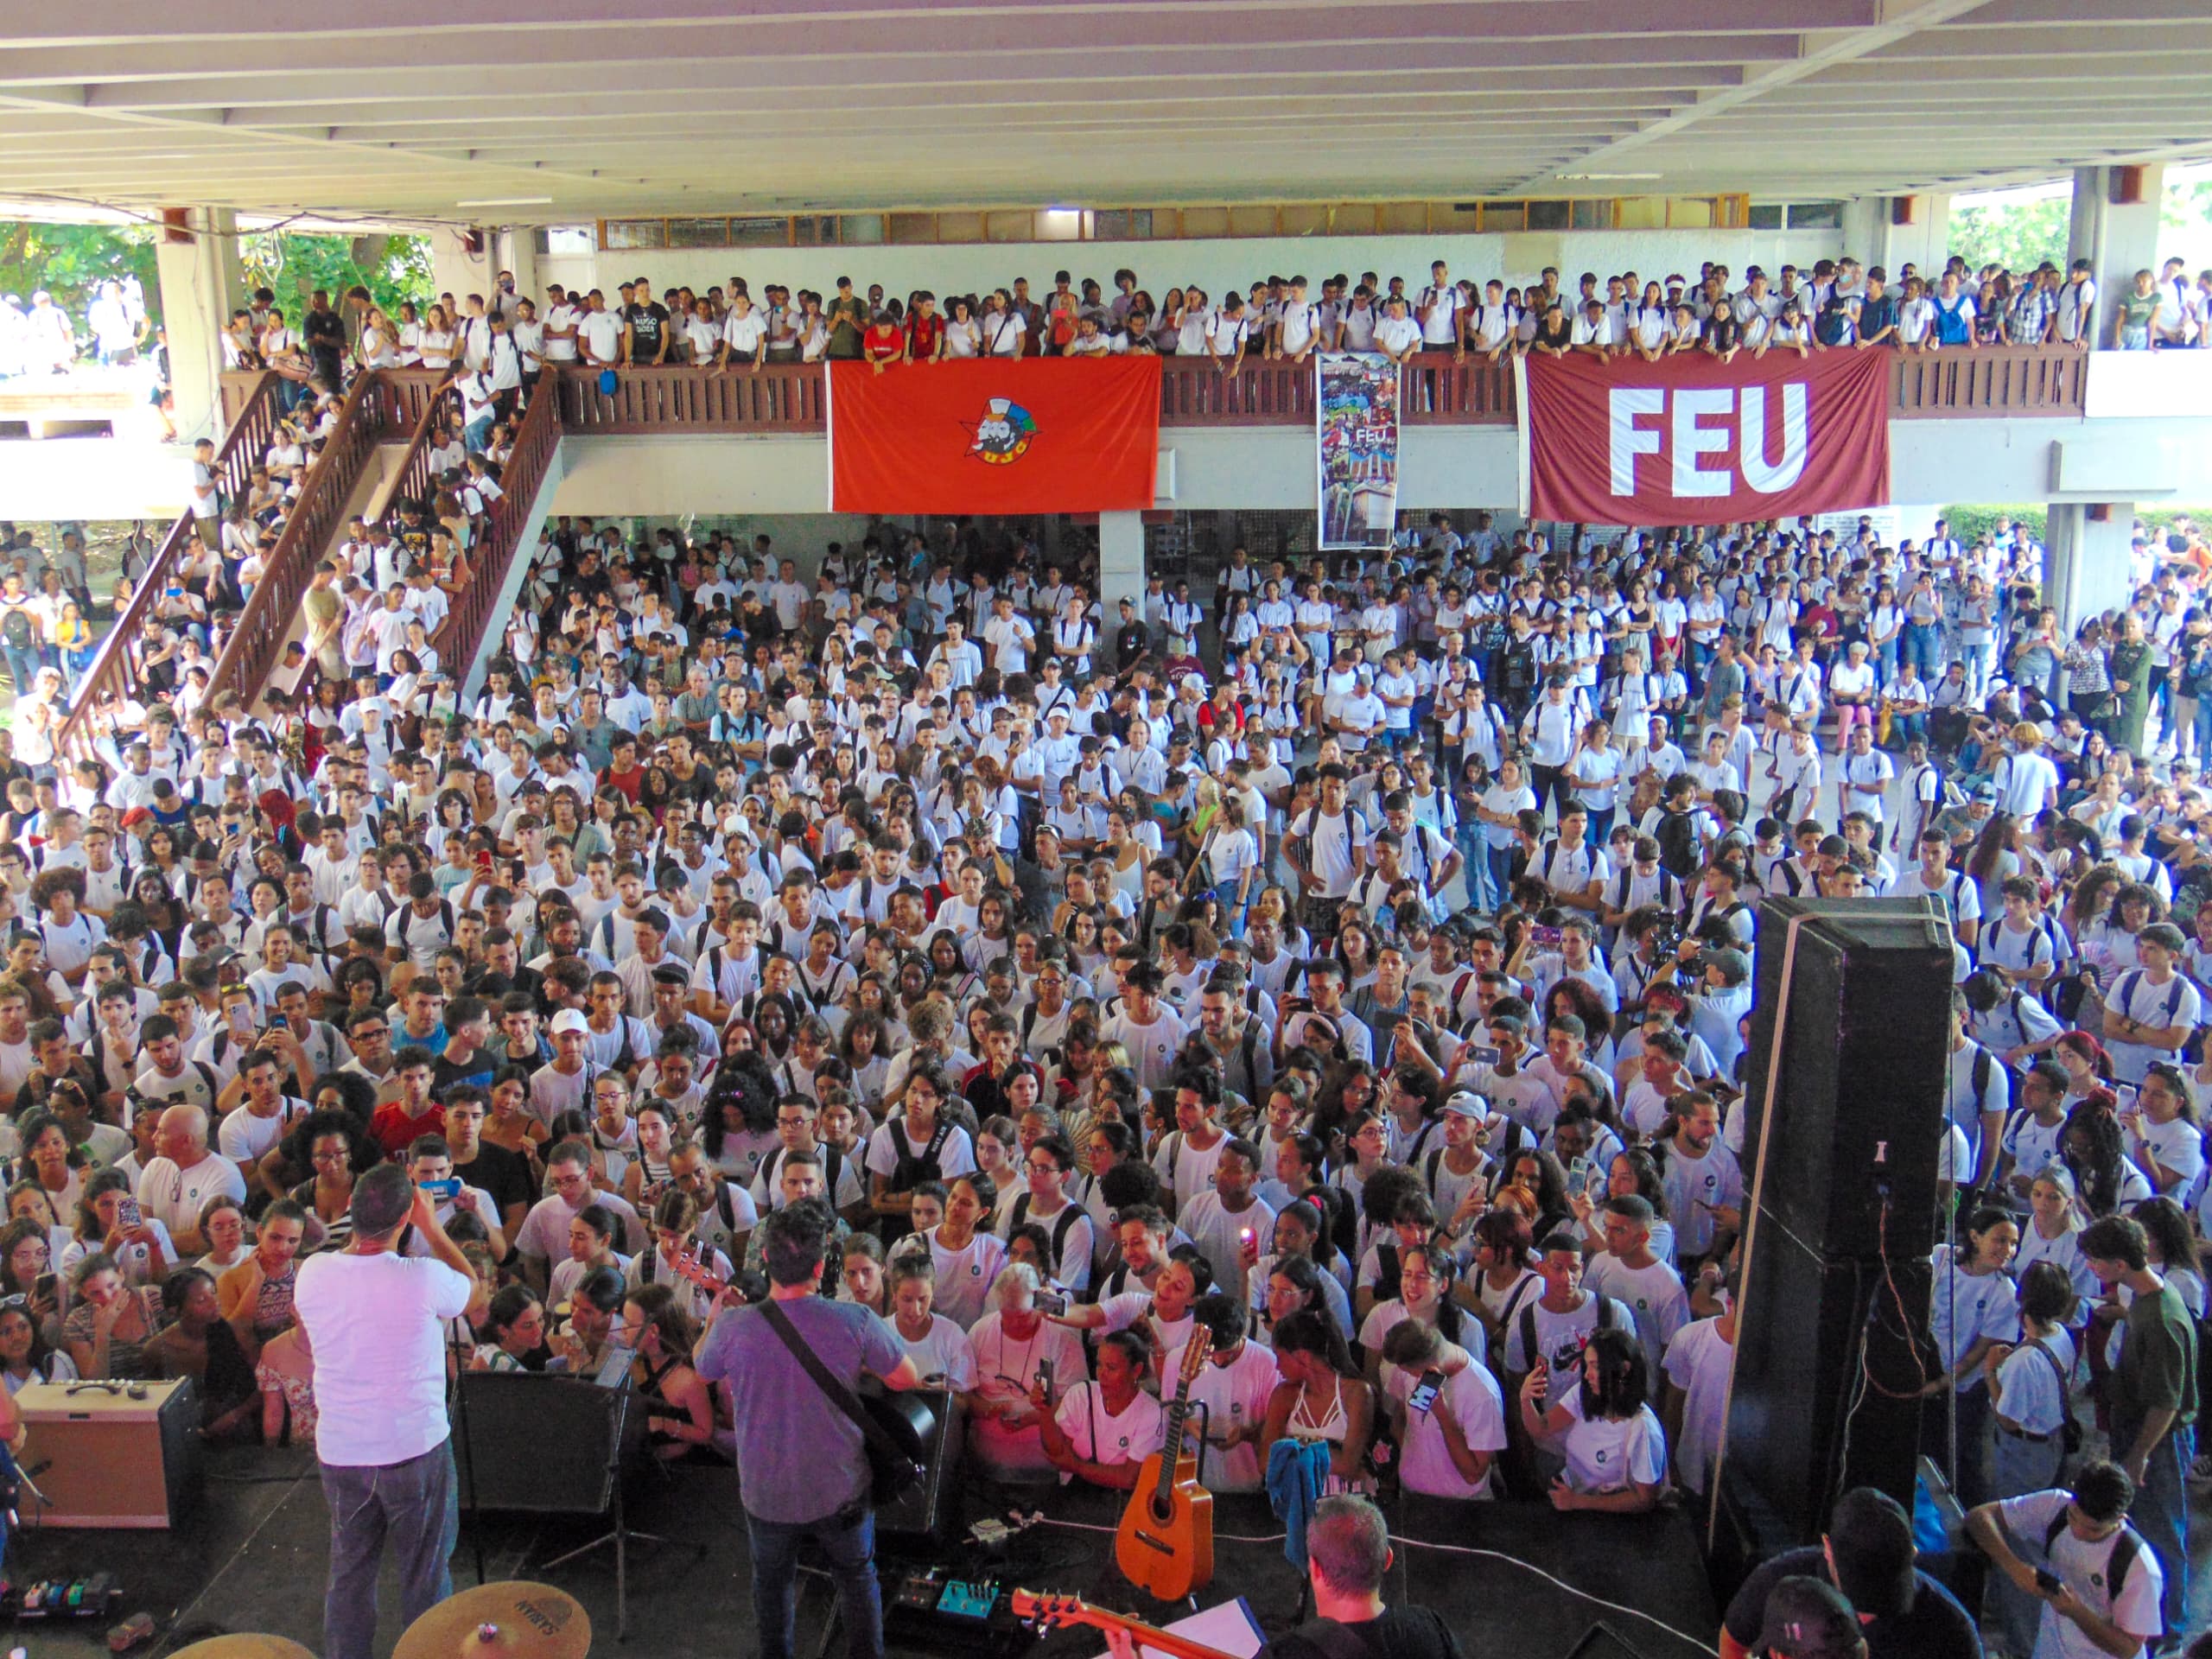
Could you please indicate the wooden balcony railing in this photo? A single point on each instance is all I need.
(113, 675)
(376, 412)
(462, 632)
(1992, 381)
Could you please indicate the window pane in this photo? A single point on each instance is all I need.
(913, 227)
(1766, 216)
(860, 230)
(636, 233)
(1551, 215)
(698, 233)
(761, 232)
(1815, 215)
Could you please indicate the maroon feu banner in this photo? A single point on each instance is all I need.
(1692, 440)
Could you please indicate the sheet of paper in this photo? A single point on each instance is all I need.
(1229, 1627)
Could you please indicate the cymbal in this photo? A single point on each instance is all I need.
(513, 1619)
(244, 1644)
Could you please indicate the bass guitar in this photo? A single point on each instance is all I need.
(1165, 1543)
(1064, 1612)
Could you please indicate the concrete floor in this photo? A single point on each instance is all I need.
(252, 1558)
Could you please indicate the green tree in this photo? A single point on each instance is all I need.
(294, 266)
(2018, 235)
(70, 261)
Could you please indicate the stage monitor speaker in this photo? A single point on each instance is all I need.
(103, 1459)
(929, 1512)
(1850, 1047)
(544, 1444)
(1828, 1355)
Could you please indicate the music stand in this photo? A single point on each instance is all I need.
(553, 1445)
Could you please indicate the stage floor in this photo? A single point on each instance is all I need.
(252, 1558)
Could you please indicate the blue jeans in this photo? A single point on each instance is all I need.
(1924, 648)
(850, 1554)
(1475, 857)
(2161, 1514)
(2022, 1466)
(1500, 873)
(22, 666)
(418, 1505)
(2204, 728)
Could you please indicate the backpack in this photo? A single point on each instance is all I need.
(2125, 1548)
(1676, 834)
(1832, 325)
(2125, 992)
(1068, 1217)
(15, 629)
(1528, 1323)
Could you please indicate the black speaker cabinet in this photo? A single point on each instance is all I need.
(1850, 1037)
(549, 1444)
(1828, 1355)
(929, 1513)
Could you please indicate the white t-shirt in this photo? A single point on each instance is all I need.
(943, 1357)
(1132, 1437)
(377, 1323)
(1476, 1406)
(1699, 1362)
(2081, 1565)
(1604, 1455)
(175, 1197)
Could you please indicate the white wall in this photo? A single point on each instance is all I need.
(1215, 266)
(1226, 468)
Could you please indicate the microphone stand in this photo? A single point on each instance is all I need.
(468, 1463)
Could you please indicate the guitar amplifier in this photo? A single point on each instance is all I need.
(110, 1454)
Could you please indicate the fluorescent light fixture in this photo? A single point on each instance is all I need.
(508, 202)
(1581, 175)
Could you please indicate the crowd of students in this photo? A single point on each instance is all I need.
(1346, 965)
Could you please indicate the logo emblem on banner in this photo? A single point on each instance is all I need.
(971, 436)
(1004, 434)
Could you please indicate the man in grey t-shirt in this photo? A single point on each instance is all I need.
(802, 1461)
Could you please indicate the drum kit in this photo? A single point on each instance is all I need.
(511, 1620)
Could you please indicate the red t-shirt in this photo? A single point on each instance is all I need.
(883, 339)
(392, 1129)
(923, 334)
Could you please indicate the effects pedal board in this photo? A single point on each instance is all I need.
(930, 1607)
(98, 1595)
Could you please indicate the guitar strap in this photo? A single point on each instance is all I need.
(833, 1387)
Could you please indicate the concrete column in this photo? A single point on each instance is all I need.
(1870, 235)
(199, 288)
(458, 272)
(2087, 559)
(1121, 567)
(2117, 238)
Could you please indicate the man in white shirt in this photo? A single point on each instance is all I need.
(185, 1173)
(1397, 336)
(377, 1320)
(1442, 311)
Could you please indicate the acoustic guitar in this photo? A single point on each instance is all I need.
(1062, 1612)
(1165, 1543)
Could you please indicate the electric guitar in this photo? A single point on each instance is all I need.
(1165, 1543)
(1062, 1612)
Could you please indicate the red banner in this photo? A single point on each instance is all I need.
(1691, 440)
(982, 435)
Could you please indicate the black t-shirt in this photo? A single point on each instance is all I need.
(324, 332)
(503, 1174)
(1936, 1626)
(648, 323)
(1398, 1633)
(1131, 641)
